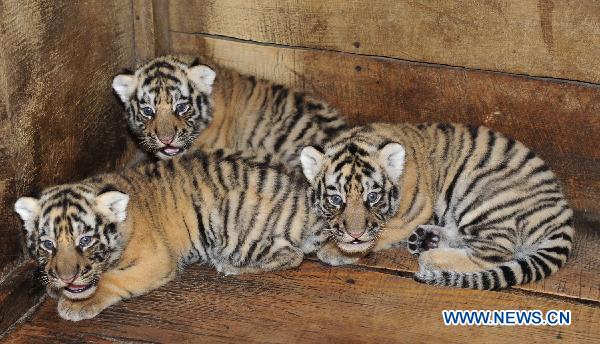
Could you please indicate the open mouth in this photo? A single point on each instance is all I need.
(76, 289)
(170, 150)
(355, 246)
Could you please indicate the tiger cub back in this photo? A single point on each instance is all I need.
(481, 210)
(120, 235)
(173, 106)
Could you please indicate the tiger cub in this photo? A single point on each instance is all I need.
(173, 107)
(116, 236)
(481, 210)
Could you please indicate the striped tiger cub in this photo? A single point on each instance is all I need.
(173, 106)
(120, 235)
(480, 210)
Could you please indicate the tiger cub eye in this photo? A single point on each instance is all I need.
(335, 200)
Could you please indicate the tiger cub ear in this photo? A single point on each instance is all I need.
(392, 158)
(203, 76)
(28, 209)
(312, 162)
(124, 86)
(113, 205)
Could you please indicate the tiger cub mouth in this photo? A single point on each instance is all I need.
(79, 291)
(171, 151)
(76, 288)
(356, 245)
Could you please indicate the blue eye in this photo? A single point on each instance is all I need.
(373, 197)
(147, 111)
(48, 245)
(335, 200)
(181, 108)
(85, 241)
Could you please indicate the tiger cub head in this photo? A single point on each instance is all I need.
(72, 233)
(355, 187)
(167, 103)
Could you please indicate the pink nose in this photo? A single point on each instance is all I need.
(166, 139)
(356, 235)
(68, 280)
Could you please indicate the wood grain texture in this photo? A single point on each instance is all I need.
(558, 120)
(579, 279)
(58, 119)
(161, 26)
(144, 30)
(558, 39)
(314, 303)
(19, 292)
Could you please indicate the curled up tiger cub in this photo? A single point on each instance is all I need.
(173, 106)
(120, 235)
(481, 210)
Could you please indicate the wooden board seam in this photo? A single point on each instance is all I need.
(391, 58)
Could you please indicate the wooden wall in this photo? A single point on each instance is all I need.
(58, 119)
(526, 68)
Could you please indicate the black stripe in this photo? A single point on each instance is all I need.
(496, 280)
(485, 280)
(555, 261)
(201, 229)
(225, 238)
(558, 250)
(538, 273)
(159, 64)
(509, 275)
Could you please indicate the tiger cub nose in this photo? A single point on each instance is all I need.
(356, 234)
(68, 279)
(167, 139)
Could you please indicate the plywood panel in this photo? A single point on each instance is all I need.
(59, 120)
(559, 120)
(312, 304)
(560, 39)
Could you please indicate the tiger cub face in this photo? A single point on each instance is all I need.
(167, 104)
(71, 231)
(356, 188)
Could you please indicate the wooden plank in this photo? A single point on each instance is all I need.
(19, 292)
(312, 304)
(144, 35)
(558, 39)
(579, 279)
(161, 26)
(559, 120)
(59, 121)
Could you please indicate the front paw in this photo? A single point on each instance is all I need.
(423, 238)
(78, 310)
(333, 256)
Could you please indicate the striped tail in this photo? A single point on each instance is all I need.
(549, 257)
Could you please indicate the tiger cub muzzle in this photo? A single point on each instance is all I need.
(356, 228)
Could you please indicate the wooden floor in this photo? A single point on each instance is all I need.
(374, 301)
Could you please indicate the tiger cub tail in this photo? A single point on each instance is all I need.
(550, 255)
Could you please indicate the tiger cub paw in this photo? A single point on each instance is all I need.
(78, 310)
(423, 238)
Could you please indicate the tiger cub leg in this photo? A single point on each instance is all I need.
(470, 254)
(280, 255)
(450, 259)
(116, 285)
